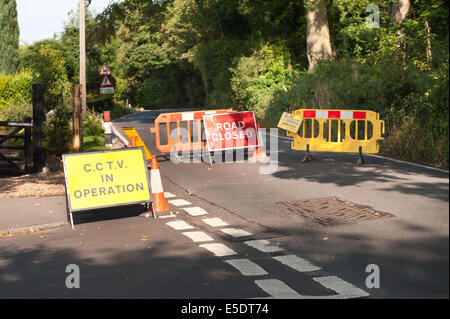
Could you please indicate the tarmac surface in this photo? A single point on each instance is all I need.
(411, 248)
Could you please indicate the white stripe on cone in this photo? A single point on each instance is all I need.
(156, 181)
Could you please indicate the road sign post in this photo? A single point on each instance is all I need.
(106, 86)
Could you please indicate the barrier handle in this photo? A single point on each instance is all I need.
(383, 129)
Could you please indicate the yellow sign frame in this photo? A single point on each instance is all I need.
(105, 179)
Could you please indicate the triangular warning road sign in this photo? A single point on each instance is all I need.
(105, 70)
(105, 82)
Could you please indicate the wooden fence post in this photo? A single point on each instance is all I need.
(39, 154)
(27, 146)
(76, 117)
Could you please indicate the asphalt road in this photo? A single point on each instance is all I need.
(410, 248)
(198, 251)
(231, 238)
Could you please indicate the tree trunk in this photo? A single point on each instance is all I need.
(317, 33)
(400, 10)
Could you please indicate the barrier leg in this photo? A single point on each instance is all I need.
(360, 159)
(308, 157)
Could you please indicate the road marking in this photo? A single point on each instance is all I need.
(219, 250)
(246, 267)
(198, 236)
(343, 288)
(179, 202)
(263, 245)
(195, 211)
(404, 162)
(171, 215)
(297, 263)
(379, 156)
(169, 195)
(179, 225)
(235, 232)
(215, 222)
(277, 289)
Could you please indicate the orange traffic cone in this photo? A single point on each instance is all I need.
(260, 152)
(159, 201)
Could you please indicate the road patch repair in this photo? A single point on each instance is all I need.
(332, 211)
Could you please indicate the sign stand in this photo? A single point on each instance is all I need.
(71, 221)
(210, 159)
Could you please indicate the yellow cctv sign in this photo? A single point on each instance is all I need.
(289, 122)
(106, 179)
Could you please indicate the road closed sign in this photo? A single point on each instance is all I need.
(106, 179)
(226, 131)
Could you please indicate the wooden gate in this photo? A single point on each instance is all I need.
(30, 155)
(16, 131)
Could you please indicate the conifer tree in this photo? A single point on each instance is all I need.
(9, 37)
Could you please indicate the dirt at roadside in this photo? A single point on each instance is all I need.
(48, 183)
(33, 185)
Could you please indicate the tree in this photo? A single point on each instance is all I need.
(9, 37)
(46, 59)
(317, 33)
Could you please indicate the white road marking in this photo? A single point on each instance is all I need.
(340, 286)
(215, 222)
(378, 156)
(179, 225)
(195, 211)
(179, 202)
(219, 250)
(169, 195)
(246, 267)
(297, 263)
(277, 289)
(198, 236)
(236, 232)
(171, 215)
(263, 245)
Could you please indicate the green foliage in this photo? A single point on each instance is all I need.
(9, 37)
(413, 103)
(46, 60)
(214, 61)
(252, 55)
(57, 130)
(15, 96)
(93, 135)
(258, 77)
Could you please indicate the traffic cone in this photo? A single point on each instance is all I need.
(260, 152)
(159, 201)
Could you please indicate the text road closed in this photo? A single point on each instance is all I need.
(230, 130)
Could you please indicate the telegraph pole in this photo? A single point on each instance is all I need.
(82, 16)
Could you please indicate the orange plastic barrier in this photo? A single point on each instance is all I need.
(181, 131)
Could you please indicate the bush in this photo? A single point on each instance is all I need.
(257, 78)
(15, 96)
(58, 131)
(413, 102)
(46, 60)
(93, 135)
